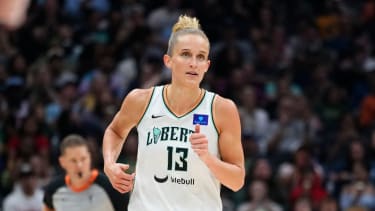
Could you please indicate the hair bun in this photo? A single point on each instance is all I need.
(186, 22)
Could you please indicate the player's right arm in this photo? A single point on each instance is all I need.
(116, 133)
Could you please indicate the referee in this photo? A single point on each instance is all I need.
(82, 188)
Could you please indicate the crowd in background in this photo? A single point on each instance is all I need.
(301, 72)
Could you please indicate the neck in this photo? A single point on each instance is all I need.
(78, 184)
(77, 181)
(182, 100)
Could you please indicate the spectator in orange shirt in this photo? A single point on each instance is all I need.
(367, 109)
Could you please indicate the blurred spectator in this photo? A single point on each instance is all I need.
(227, 63)
(236, 81)
(3, 120)
(151, 71)
(332, 107)
(338, 142)
(65, 97)
(276, 90)
(306, 114)
(251, 150)
(257, 168)
(308, 179)
(328, 21)
(99, 74)
(303, 204)
(263, 170)
(162, 18)
(367, 109)
(360, 191)
(30, 140)
(43, 170)
(371, 153)
(125, 73)
(254, 119)
(259, 199)
(228, 58)
(284, 182)
(286, 133)
(356, 154)
(26, 194)
(329, 204)
(42, 90)
(319, 83)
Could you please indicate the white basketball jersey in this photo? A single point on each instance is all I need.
(169, 174)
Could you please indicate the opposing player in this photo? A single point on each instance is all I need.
(189, 139)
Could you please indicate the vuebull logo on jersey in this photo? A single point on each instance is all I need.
(177, 180)
(168, 134)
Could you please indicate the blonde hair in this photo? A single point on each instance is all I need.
(186, 22)
(185, 25)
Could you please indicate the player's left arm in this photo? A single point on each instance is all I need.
(229, 170)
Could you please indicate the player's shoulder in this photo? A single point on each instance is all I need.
(221, 102)
(223, 108)
(139, 96)
(140, 93)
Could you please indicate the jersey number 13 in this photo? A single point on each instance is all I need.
(180, 164)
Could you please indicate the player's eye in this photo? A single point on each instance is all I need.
(201, 57)
(185, 54)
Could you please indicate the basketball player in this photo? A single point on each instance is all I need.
(82, 188)
(188, 138)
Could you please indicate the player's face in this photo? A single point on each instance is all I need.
(76, 161)
(189, 61)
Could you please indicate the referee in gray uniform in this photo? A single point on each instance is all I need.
(81, 188)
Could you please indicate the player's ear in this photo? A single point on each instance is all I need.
(167, 61)
(208, 65)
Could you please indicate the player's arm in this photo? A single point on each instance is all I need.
(116, 133)
(125, 120)
(230, 169)
(45, 208)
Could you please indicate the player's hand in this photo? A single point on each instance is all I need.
(199, 143)
(120, 180)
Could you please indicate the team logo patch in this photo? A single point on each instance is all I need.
(201, 119)
(157, 133)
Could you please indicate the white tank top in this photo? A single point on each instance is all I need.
(169, 174)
